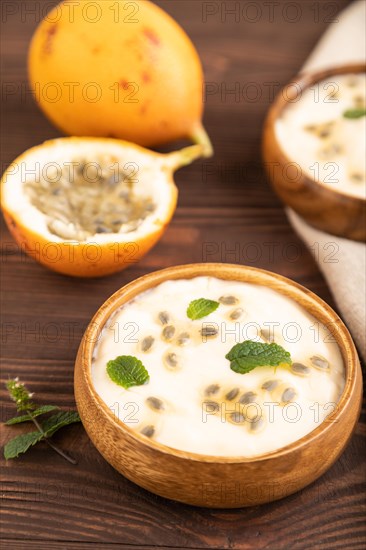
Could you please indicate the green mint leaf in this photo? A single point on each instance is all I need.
(26, 418)
(21, 444)
(354, 113)
(18, 420)
(59, 420)
(201, 308)
(127, 371)
(248, 355)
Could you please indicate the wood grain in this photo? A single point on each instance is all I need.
(45, 502)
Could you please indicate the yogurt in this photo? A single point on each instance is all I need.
(193, 401)
(324, 132)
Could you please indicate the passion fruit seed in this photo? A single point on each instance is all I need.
(252, 414)
(268, 335)
(164, 317)
(352, 81)
(357, 177)
(147, 343)
(237, 417)
(236, 314)
(96, 197)
(155, 404)
(324, 134)
(310, 127)
(359, 101)
(256, 425)
(330, 151)
(270, 385)
(211, 406)
(288, 395)
(321, 130)
(319, 362)
(212, 389)
(247, 397)
(183, 339)
(300, 369)
(209, 331)
(148, 431)
(228, 300)
(168, 332)
(230, 396)
(171, 360)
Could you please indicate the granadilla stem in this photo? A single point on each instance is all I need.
(200, 136)
(183, 157)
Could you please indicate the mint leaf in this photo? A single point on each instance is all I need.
(25, 418)
(354, 113)
(21, 444)
(201, 308)
(248, 355)
(127, 371)
(59, 420)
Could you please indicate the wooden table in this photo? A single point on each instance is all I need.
(227, 212)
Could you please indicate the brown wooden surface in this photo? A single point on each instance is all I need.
(47, 503)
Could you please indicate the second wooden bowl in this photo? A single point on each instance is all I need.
(324, 208)
(218, 482)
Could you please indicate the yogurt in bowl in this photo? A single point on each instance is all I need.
(218, 385)
(323, 130)
(193, 400)
(313, 149)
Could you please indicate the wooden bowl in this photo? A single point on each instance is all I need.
(218, 482)
(322, 207)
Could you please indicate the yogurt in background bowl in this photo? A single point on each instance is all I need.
(313, 143)
(323, 131)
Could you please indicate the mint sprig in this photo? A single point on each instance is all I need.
(20, 444)
(25, 417)
(201, 308)
(355, 113)
(248, 355)
(59, 420)
(127, 371)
